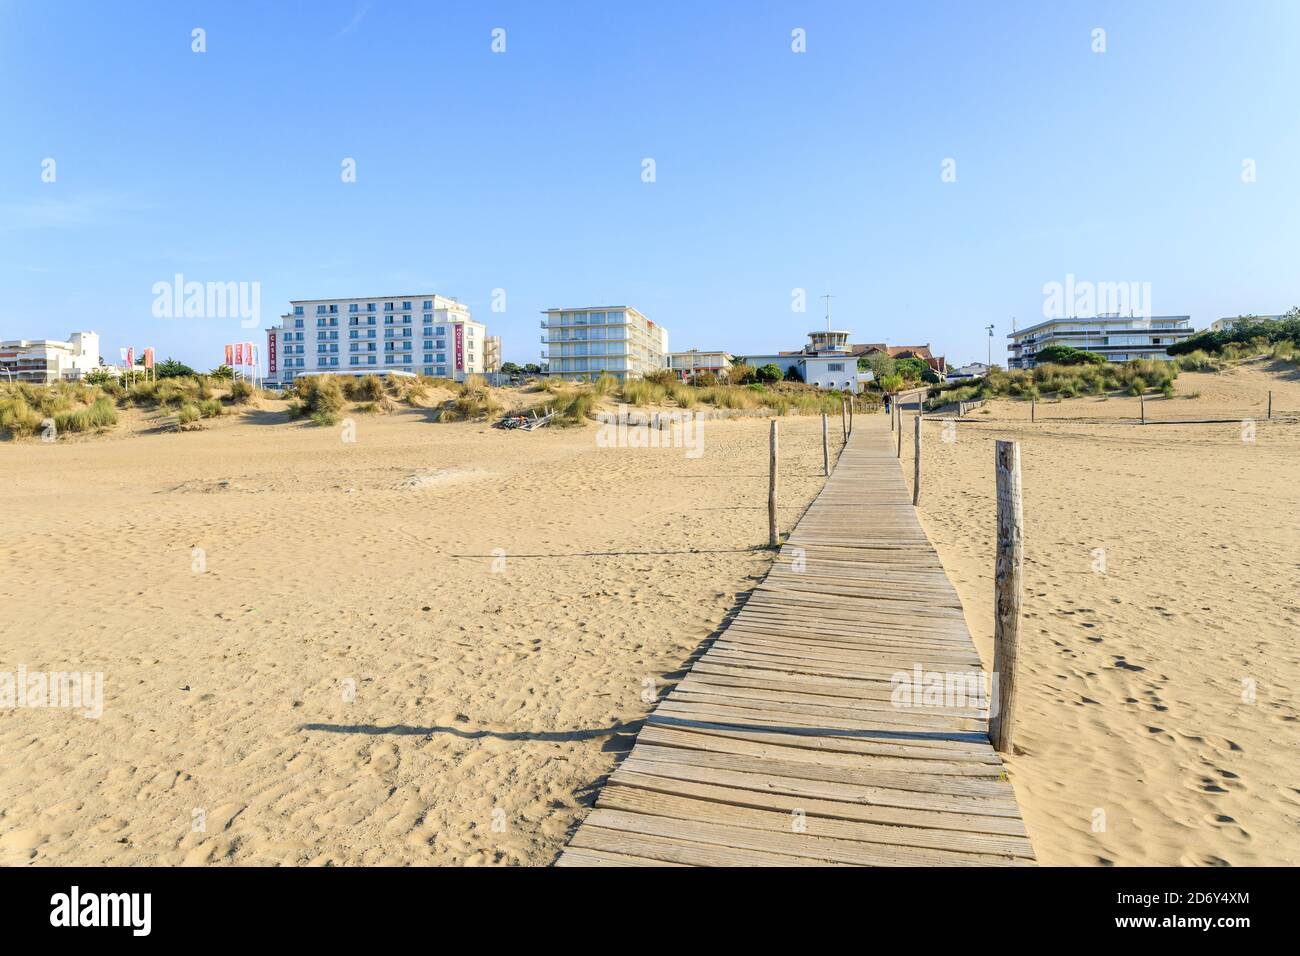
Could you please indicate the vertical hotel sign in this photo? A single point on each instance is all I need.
(460, 347)
(270, 352)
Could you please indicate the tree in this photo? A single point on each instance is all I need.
(170, 368)
(881, 365)
(532, 368)
(792, 374)
(510, 368)
(910, 368)
(768, 373)
(222, 372)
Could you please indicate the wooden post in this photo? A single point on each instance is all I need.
(1033, 409)
(1270, 404)
(916, 464)
(1142, 403)
(844, 419)
(850, 404)
(898, 452)
(826, 446)
(1007, 592)
(772, 539)
(893, 411)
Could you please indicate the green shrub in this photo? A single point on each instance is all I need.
(367, 388)
(187, 415)
(241, 391)
(18, 418)
(1065, 355)
(100, 414)
(1248, 336)
(100, 377)
(211, 408)
(324, 417)
(576, 409)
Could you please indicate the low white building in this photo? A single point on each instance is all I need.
(1119, 338)
(964, 372)
(49, 360)
(827, 361)
(686, 365)
(419, 334)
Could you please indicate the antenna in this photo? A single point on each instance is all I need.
(828, 298)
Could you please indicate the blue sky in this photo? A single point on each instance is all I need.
(522, 170)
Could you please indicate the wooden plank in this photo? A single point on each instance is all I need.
(618, 796)
(791, 742)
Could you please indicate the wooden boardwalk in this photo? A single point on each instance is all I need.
(782, 747)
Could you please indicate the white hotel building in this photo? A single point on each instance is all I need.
(417, 335)
(49, 360)
(1119, 338)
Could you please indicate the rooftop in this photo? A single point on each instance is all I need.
(1099, 319)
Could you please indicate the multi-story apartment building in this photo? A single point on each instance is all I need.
(417, 334)
(602, 340)
(49, 360)
(1119, 338)
(492, 353)
(685, 365)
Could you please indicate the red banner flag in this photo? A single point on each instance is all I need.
(230, 360)
(130, 356)
(148, 358)
(248, 352)
(239, 353)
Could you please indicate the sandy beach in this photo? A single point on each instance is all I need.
(1158, 643)
(485, 703)
(429, 646)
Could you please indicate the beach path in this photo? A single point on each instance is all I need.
(835, 721)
